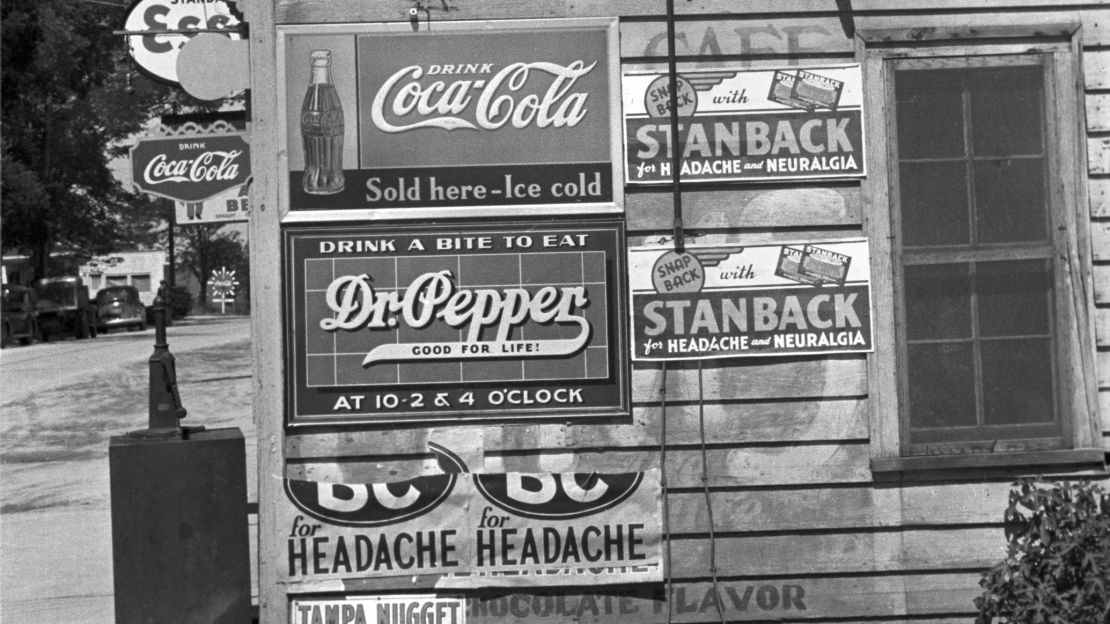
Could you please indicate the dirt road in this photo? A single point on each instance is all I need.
(60, 403)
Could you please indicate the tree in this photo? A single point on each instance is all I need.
(70, 101)
(1057, 567)
(206, 249)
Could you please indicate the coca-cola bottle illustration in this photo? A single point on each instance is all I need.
(322, 130)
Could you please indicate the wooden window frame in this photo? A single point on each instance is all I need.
(1078, 404)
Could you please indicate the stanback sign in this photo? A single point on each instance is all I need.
(495, 118)
(745, 125)
(190, 168)
(738, 301)
(482, 530)
(471, 322)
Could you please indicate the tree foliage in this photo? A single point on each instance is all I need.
(70, 100)
(1057, 567)
(207, 248)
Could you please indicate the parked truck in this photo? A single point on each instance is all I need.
(64, 308)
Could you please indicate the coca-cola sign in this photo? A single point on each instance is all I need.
(472, 322)
(190, 168)
(494, 102)
(494, 119)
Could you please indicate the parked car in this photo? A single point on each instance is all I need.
(18, 315)
(120, 306)
(64, 308)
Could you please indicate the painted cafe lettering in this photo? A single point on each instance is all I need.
(434, 295)
(441, 103)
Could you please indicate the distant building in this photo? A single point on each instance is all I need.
(142, 269)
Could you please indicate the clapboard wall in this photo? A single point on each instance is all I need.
(802, 530)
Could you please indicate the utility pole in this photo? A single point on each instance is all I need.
(171, 279)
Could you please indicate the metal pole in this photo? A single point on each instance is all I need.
(676, 153)
(171, 279)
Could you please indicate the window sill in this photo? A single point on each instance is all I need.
(978, 465)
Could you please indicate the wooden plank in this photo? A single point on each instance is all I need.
(874, 193)
(1098, 196)
(1098, 112)
(1101, 278)
(800, 597)
(308, 444)
(841, 553)
(748, 237)
(795, 39)
(767, 11)
(760, 378)
(318, 11)
(1100, 240)
(1098, 155)
(1102, 361)
(844, 419)
(755, 206)
(747, 466)
(1102, 327)
(266, 317)
(779, 37)
(1104, 412)
(1096, 69)
(726, 424)
(840, 508)
(752, 378)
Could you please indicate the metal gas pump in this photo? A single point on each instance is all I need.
(180, 540)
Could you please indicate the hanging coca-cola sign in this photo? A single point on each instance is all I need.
(190, 168)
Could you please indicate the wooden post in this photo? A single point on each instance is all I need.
(265, 259)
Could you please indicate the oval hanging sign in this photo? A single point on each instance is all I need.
(190, 168)
(156, 54)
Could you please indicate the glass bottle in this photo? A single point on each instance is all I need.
(322, 130)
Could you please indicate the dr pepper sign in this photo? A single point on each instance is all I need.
(509, 118)
(456, 323)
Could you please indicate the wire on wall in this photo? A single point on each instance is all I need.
(663, 486)
(708, 500)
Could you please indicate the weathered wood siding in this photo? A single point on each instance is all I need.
(802, 528)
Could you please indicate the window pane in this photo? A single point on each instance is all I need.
(1006, 117)
(1010, 200)
(141, 282)
(938, 301)
(1017, 381)
(934, 203)
(117, 280)
(1014, 298)
(942, 385)
(930, 119)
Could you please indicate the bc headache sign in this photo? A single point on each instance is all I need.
(455, 323)
(477, 530)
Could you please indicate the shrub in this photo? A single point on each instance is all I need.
(181, 301)
(1057, 566)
